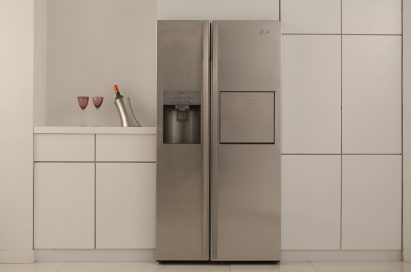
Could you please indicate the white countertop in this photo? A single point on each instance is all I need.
(94, 130)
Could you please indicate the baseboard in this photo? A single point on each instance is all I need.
(141, 255)
(16, 256)
(340, 255)
(95, 255)
(406, 255)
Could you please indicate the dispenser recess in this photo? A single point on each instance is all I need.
(181, 117)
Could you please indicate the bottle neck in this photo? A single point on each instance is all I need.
(118, 95)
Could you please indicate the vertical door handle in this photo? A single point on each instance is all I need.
(206, 136)
(215, 115)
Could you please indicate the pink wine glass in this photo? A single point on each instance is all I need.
(97, 101)
(83, 102)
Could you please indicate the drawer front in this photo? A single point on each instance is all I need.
(126, 148)
(63, 147)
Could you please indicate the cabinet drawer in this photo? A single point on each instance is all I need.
(133, 148)
(63, 147)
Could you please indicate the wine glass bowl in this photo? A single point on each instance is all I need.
(82, 101)
(98, 101)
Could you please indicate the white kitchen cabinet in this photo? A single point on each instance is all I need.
(218, 10)
(311, 94)
(64, 205)
(127, 148)
(63, 147)
(311, 16)
(371, 16)
(371, 204)
(125, 209)
(371, 94)
(311, 202)
(71, 183)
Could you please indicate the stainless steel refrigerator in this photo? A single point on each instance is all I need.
(218, 147)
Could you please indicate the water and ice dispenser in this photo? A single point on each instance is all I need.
(181, 117)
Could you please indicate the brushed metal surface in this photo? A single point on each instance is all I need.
(242, 220)
(248, 213)
(125, 110)
(179, 55)
(248, 56)
(214, 134)
(206, 138)
(247, 117)
(245, 178)
(186, 131)
(182, 219)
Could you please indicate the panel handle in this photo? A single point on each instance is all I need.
(215, 115)
(206, 136)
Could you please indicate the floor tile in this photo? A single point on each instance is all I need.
(37, 267)
(406, 266)
(357, 266)
(104, 267)
(288, 267)
(155, 267)
(187, 268)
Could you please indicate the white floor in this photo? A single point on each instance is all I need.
(153, 267)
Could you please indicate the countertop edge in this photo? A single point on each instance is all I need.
(95, 130)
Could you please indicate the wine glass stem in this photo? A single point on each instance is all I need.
(83, 118)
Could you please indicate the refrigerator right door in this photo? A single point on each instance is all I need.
(245, 168)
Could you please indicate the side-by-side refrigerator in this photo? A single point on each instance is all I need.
(218, 145)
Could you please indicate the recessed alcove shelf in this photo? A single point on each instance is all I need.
(83, 48)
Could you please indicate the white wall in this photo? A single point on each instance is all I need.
(40, 62)
(16, 134)
(93, 44)
(407, 130)
(217, 9)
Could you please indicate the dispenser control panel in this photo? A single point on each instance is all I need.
(181, 98)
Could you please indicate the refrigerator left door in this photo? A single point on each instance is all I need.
(182, 140)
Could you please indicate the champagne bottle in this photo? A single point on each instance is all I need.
(117, 92)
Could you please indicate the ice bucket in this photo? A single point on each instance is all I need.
(127, 117)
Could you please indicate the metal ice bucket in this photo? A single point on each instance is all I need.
(127, 117)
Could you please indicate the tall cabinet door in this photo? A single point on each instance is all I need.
(371, 202)
(311, 94)
(64, 206)
(311, 202)
(371, 94)
(245, 178)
